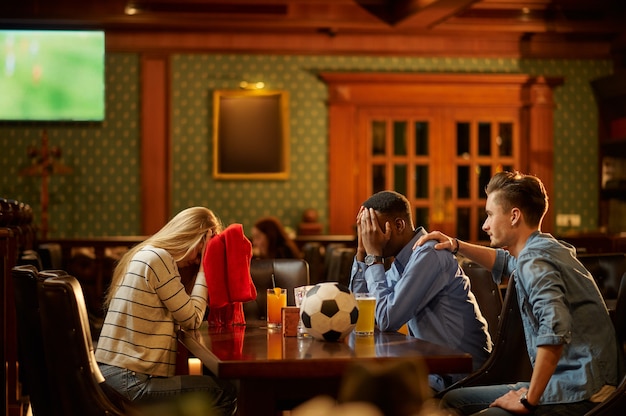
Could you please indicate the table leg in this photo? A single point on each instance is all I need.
(256, 397)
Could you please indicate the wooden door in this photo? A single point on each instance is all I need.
(439, 158)
(436, 138)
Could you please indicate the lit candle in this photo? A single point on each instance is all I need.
(195, 366)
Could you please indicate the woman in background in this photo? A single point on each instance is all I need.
(147, 303)
(271, 241)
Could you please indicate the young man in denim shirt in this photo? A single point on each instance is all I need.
(569, 335)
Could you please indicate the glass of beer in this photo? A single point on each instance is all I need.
(366, 302)
(276, 301)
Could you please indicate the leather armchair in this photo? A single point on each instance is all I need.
(72, 367)
(487, 293)
(33, 370)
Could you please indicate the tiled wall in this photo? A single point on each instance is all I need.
(101, 197)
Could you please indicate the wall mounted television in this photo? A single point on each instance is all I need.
(52, 75)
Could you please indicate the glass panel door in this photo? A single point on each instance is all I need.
(398, 159)
(441, 160)
(484, 146)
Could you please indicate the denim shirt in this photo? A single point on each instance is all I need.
(561, 304)
(426, 289)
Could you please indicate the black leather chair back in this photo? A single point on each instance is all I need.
(607, 269)
(30, 257)
(328, 255)
(69, 350)
(508, 362)
(51, 255)
(33, 370)
(313, 253)
(288, 274)
(487, 293)
(340, 265)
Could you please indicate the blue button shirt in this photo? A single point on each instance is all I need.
(560, 303)
(426, 289)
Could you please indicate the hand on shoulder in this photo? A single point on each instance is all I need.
(443, 241)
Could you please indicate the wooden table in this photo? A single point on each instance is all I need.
(276, 372)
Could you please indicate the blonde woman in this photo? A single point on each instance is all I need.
(147, 302)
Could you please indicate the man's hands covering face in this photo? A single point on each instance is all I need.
(371, 235)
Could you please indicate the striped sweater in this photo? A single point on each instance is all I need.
(139, 331)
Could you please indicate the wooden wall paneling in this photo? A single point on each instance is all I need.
(342, 164)
(155, 139)
(540, 155)
(488, 44)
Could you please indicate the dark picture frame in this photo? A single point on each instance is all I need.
(251, 134)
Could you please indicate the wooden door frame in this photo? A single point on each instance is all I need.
(350, 92)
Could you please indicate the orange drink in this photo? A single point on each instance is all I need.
(274, 344)
(366, 303)
(276, 301)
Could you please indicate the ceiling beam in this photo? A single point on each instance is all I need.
(435, 12)
(420, 13)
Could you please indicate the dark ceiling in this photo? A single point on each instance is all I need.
(573, 20)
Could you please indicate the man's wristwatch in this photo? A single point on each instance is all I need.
(524, 401)
(372, 259)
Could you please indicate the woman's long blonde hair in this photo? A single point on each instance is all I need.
(179, 236)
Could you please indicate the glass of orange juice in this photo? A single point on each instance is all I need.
(274, 344)
(366, 302)
(276, 301)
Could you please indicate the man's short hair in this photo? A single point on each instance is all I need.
(525, 192)
(390, 203)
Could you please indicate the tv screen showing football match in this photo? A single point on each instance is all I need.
(52, 75)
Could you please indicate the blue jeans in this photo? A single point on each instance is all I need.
(476, 401)
(145, 389)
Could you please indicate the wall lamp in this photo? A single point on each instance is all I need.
(245, 85)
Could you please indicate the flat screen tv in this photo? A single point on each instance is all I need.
(52, 75)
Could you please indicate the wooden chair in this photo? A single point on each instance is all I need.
(508, 362)
(72, 367)
(487, 294)
(33, 370)
(287, 273)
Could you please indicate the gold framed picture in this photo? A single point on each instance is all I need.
(251, 134)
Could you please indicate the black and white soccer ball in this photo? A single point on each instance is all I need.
(329, 311)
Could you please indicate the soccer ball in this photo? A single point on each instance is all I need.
(329, 311)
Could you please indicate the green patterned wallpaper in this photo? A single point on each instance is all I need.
(101, 197)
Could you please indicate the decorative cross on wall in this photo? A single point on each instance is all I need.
(44, 163)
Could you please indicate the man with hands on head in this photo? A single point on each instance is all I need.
(569, 336)
(424, 288)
